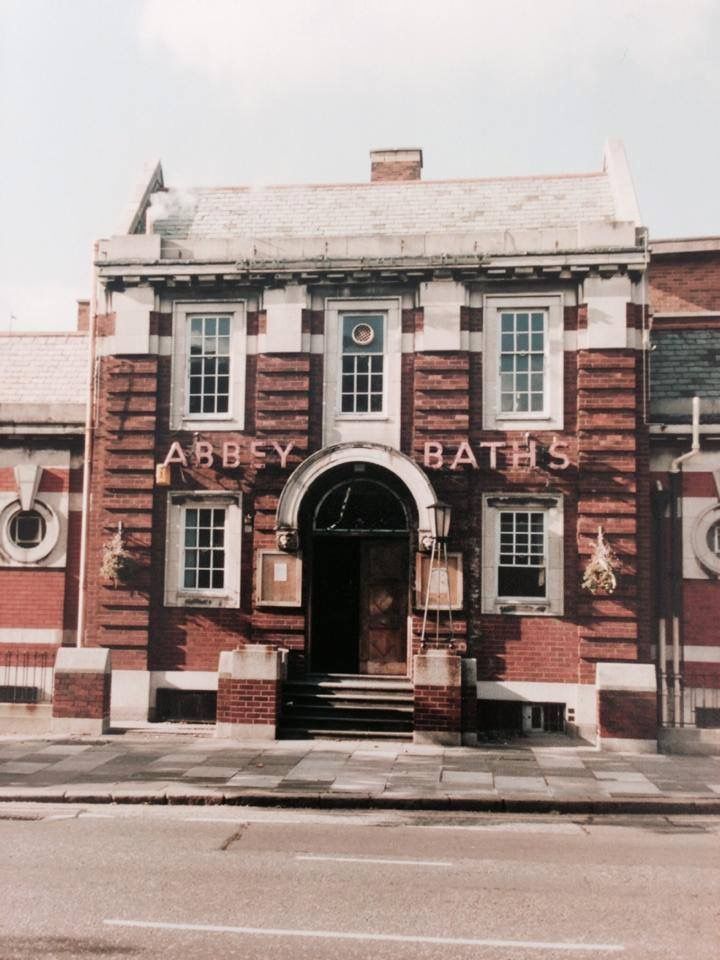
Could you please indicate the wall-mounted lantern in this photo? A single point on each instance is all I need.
(438, 580)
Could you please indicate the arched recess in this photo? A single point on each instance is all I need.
(328, 458)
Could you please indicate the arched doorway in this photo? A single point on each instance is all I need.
(358, 523)
(358, 512)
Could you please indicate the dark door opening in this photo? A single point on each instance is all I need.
(359, 605)
(359, 529)
(335, 605)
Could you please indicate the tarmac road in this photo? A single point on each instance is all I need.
(112, 882)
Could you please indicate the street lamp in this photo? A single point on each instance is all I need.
(440, 527)
(440, 513)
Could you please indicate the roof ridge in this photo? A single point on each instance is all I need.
(596, 174)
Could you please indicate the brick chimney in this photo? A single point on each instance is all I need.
(392, 165)
(83, 316)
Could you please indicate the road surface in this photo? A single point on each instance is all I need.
(214, 882)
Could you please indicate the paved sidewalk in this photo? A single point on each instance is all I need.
(194, 767)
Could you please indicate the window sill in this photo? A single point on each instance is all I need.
(361, 416)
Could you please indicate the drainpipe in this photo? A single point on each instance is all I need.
(87, 457)
(676, 556)
(659, 508)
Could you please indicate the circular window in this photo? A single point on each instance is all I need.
(27, 529)
(713, 539)
(28, 536)
(363, 334)
(706, 539)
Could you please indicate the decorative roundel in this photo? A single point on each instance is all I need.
(706, 539)
(363, 334)
(28, 536)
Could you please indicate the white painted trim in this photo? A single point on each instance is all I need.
(615, 164)
(48, 635)
(239, 349)
(183, 680)
(578, 697)
(705, 461)
(52, 552)
(552, 416)
(397, 463)
(631, 677)
(694, 653)
(552, 505)
(175, 594)
(382, 427)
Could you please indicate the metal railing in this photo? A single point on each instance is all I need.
(694, 702)
(26, 676)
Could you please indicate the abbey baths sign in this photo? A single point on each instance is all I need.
(233, 454)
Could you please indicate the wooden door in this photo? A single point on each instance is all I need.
(383, 607)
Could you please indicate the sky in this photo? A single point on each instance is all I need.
(238, 92)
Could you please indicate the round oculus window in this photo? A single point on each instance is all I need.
(28, 536)
(363, 334)
(27, 529)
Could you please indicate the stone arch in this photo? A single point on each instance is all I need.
(303, 477)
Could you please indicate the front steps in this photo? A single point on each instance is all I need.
(348, 706)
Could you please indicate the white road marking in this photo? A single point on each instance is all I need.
(411, 863)
(376, 937)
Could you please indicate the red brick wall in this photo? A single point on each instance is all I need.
(81, 695)
(626, 714)
(248, 701)
(34, 599)
(438, 708)
(123, 480)
(689, 283)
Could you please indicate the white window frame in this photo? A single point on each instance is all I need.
(551, 416)
(551, 505)
(381, 414)
(40, 553)
(379, 427)
(183, 312)
(176, 594)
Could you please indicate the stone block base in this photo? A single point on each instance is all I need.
(627, 707)
(250, 692)
(437, 678)
(689, 741)
(81, 691)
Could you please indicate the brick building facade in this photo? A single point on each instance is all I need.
(289, 378)
(43, 394)
(685, 470)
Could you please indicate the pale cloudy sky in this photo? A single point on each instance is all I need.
(236, 91)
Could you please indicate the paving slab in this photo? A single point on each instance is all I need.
(152, 767)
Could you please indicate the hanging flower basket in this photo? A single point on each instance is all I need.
(599, 574)
(117, 565)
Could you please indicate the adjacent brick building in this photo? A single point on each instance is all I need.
(43, 394)
(684, 363)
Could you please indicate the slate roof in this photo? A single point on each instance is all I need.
(684, 364)
(47, 372)
(398, 208)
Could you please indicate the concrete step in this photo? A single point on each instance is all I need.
(328, 733)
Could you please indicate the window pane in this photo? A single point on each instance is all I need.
(204, 364)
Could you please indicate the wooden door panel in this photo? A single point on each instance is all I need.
(383, 607)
